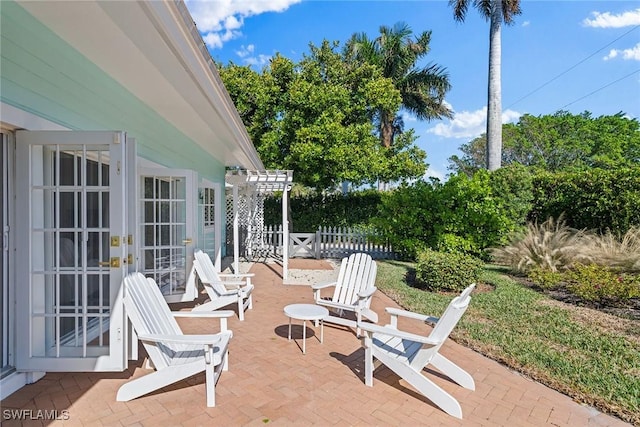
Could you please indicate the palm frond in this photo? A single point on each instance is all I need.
(460, 8)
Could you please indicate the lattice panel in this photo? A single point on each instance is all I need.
(250, 221)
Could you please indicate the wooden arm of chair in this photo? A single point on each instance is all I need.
(214, 314)
(367, 292)
(219, 314)
(371, 328)
(395, 313)
(337, 305)
(223, 275)
(323, 285)
(229, 284)
(182, 339)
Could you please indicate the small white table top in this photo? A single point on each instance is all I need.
(306, 311)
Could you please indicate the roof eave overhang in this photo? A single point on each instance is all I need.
(154, 50)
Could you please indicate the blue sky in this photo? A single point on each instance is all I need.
(571, 55)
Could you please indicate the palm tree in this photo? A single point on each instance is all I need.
(395, 52)
(497, 12)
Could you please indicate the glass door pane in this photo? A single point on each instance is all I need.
(166, 243)
(207, 221)
(71, 279)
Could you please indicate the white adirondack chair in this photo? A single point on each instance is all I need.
(220, 289)
(407, 354)
(353, 291)
(174, 356)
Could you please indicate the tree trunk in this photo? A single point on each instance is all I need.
(494, 104)
(386, 129)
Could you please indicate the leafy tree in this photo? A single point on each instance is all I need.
(315, 117)
(396, 53)
(497, 12)
(464, 214)
(561, 141)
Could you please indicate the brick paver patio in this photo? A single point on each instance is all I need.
(271, 382)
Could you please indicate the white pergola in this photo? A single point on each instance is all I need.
(264, 181)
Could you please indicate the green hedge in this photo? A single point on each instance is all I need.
(354, 209)
(595, 199)
(469, 215)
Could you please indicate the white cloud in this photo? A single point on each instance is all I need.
(221, 20)
(248, 56)
(216, 40)
(469, 124)
(609, 20)
(245, 51)
(510, 116)
(406, 117)
(257, 60)
(526, 23)
(631, 53)
(435, 174)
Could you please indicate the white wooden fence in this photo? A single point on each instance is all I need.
(326, 242)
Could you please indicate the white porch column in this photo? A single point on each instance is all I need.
(236, 231)
(285, 234)
(251, 208)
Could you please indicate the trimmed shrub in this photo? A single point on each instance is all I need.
(440, 271)
(545, 278)
(596, 283)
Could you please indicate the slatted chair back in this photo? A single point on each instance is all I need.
(207, 273)
(357, 273)
(443, 327)
(150, 314)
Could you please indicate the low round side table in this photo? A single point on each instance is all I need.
(306, 312)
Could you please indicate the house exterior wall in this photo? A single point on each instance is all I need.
(43, 75)
(46, 84)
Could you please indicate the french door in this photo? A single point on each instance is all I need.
(72, 251)
(167, 230)
(209, 217)
(6, 323)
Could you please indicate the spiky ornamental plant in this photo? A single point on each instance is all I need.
(551, 246)
(621, 254)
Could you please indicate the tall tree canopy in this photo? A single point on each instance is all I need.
(497, 12)
(396, 54)
(560, 141)
(316, 117)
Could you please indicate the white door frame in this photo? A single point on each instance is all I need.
(8, 312)
(31, 352)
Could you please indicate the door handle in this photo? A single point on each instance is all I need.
(113, 262)
(187, 241)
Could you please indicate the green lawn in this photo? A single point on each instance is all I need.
(590, 356)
